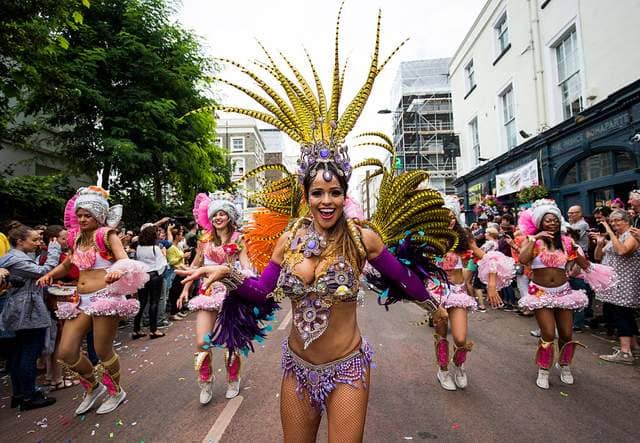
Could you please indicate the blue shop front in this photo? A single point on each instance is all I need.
(586, 160)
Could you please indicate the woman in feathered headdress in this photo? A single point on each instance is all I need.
(550, 253)
(107, 276)
(495, 269)
(318, 261)
(220, 321)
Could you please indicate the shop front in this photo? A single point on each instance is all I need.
(585, 161)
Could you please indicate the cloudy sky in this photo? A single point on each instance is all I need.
(230, 28)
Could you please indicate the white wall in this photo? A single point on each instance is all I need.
(607, 36)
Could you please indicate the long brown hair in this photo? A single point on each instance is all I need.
(344, 238)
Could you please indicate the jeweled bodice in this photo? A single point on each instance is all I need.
(336, 283)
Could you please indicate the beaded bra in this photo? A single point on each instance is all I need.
(336, 283)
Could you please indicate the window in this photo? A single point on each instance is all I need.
(238, 167)
(569, 75)
(237, 144)
(502, 34)
(598, 165)
(475, 140)
(470, 76)
(509, 117)
(624, 161)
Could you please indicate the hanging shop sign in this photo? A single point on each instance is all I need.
(518, 179)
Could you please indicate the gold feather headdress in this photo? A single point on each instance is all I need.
(307, 116)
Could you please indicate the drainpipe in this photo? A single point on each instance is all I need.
(536, 46)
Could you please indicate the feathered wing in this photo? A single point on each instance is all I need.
(304, 114)
(411, 220)
(280, 201)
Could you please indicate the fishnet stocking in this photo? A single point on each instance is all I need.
(347, 411)
(300, 420)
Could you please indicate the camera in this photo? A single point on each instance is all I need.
(172, 221)
(601, 228)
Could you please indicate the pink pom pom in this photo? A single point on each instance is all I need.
(526, 223)
(200, 211)
(353, 209)
(135, 277)
(67, 310)
(210, 301)
(599, 277)
(497, 263)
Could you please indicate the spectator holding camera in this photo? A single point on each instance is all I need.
(26, 314)
(622, 254)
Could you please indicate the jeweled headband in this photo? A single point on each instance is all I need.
(317, 155)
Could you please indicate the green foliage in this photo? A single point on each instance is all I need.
(30, 31)
(34, 199)
(113, 81)
(532, 193)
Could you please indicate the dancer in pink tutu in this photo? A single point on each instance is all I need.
(107, 275)
(220, 245)
(549, 253)
(495, 269)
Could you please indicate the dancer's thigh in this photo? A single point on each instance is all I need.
(299, 419)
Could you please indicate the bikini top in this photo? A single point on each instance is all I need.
(218, 255)
(337, 282)
(450, 262)
(97, 256)
(557, 259)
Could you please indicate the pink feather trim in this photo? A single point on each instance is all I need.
(113, 306)
(526, 223)
(599, 277)
(135, 277)
(70, 218)
(495, 262)
(353, 209)
(200, 211)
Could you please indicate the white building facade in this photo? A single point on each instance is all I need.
(527, 66)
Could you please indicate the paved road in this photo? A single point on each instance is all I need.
(406, 403)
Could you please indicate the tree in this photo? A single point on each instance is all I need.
(116, 96)
(30, 31)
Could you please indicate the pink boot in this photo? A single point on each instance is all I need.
(442, 351)
(460, 353)
(544, 360)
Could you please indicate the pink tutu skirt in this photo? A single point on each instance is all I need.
(67, 310)
(210, 300)
(497, 263)
(562, 297)
(455, 296)
(103, 303)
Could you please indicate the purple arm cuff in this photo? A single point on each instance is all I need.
(389, 266)
(256, 290)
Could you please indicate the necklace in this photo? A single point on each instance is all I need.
(312, 242)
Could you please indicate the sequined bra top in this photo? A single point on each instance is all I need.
(336, 283)
(450, 262)
(95, 256)
(218, 255)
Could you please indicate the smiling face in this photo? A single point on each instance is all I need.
(86, 221)
(550, 223)
(220, 220)
(326, 201)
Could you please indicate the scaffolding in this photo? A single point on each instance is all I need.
(423, 121)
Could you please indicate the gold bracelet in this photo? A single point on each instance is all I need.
(233, 280)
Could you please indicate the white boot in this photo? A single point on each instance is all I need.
(233, 389)
(112, 402)
(206, 391)
(566, 376)
(446, 380)
(543, 378)
(88, 400)
(460, 376)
